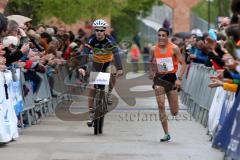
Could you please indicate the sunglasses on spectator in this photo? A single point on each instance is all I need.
(99, 30)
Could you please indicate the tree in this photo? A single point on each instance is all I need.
(69, 11)
(218, 8)
(24, 7)
(125, 23)
(122, 12)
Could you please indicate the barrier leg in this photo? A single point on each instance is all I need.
(29, 118)
(41, 109)
(21, 120)
(36, 118)
(50, 106)
(196, 111)
(200, 114)
(45, 109)
(205, 118)
(192, 106)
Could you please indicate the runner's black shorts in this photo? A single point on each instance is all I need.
(165, 80)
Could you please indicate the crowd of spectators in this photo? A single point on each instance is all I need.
(39, 49)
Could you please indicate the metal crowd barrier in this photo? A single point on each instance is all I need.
(59, 85)
(196, 94)
(47, 104)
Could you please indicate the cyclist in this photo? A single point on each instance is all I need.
(103, 49)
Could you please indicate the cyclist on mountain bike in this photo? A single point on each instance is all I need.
(103, 48)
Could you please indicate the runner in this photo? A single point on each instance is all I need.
(164, 59)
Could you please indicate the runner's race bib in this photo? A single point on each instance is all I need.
(165, 64)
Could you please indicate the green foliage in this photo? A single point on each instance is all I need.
(125, 24)
(69, 11)
(27, 8)
(122, 12)
(217, 8)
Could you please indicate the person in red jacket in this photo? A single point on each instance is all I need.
(134, 55)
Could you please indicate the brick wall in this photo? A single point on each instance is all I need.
(181, 13)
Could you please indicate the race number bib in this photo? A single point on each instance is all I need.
(99, 78)
(165, 64)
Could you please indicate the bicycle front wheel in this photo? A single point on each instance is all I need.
(101, 122)
(96, 126)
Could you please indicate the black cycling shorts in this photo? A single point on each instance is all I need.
(100, 67)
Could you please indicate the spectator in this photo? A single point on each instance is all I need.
(44, 41)
(196, 54)
(196, 31)
(229, 79)
(134, 56)
(146, 57)
(67, 48)
(2, 59)
(81, 33)
(40, 29)
(214, 51)
(27, 51)
(137, 39)
(166, 24)
(50, 31)
(61, 31)
(3, 24)
(12, 28)
(235, 5)
(14, 47)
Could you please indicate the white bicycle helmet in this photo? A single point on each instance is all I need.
(100, 23)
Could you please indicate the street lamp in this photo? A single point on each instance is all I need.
(209, 12)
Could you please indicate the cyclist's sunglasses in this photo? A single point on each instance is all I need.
(99, 30)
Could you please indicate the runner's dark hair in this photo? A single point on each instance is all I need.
(164, 30)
